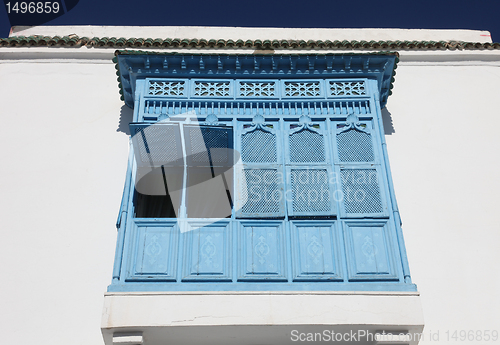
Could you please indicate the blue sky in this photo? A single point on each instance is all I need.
(422, 14)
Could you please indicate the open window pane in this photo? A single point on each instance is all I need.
(156, 145)
(158, 192)
(208, 145)
(209, 196)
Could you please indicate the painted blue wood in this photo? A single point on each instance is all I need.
(253, 88)
(159, 109)
(378, 67)
(154, 251)
(212, 88)
(361, 190)
(346, 88)
(245, 286)
(172, 88)
(260, 180)
(284, 125)
(262, 252)
(207, 252)
(301, 88)
(370, 251)
(316, 251)
(121, 222)
(258, 89)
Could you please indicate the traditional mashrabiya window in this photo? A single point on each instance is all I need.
(258, 172)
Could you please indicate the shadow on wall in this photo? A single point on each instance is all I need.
(126, 116)
(387, 121)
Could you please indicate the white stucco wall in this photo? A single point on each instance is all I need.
(443, 155)
(64, 163)
(63, 167)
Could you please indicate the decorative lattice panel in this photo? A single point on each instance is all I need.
(254, 89)
(296, 89)
(209, 89)
(361, 191)
(355, 146)
(208, 145)
(258, 146)
(263, 193)
(310, 191)
(167, 88)
(306, 146)
(157, 145)
(347, 88)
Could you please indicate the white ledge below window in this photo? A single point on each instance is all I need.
(261, 317)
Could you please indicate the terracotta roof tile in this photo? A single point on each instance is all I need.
(121, 42)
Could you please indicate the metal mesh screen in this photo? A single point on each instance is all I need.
(158, 144)
(263, 192)
(355, 146)
(310, 191)
(197, 152)
(361, 191)
(306, 146)
(258, 147)
(208, 145)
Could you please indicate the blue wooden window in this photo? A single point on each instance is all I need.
(259, 183)
(260, 180)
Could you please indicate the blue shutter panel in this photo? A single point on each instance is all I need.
(369, 251)
(258, 144)
(355, 146)
(209, 145)
(260, 181)
(209, 151)
(311, 192)
(159, 157)
(155, 250)
(207, 252)
(362, 193)
(309, 172)
(261, 193)
(262, 254)
(316, 255)
(306, 146)
(157, 144)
